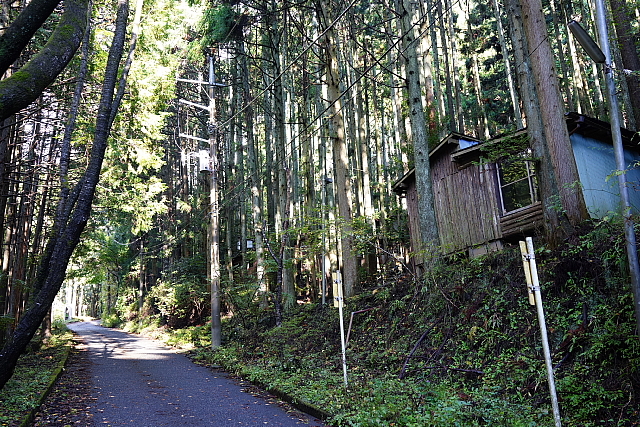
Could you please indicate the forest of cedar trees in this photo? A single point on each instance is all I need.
(181, 160)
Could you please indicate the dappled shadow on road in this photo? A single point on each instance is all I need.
(111, 343)
(141, 382)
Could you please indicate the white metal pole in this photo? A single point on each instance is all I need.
(324, 242)
(339, 297)
(344, 348)
(629, 231)
(543, 330)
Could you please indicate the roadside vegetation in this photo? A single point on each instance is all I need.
(35, 373)
(460, 347)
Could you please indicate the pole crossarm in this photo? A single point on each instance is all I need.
(193, 104)
(195, 138)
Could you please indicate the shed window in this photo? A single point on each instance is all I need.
(518, 183)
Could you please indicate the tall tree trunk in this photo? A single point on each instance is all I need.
(364, 148)
(66, 237)
(253, 174)
(557, 136)
(480, 114)
(419, 134)
(277, 44)
(342, 182)
(7, 144)
(451, 121)
(454, 70)
(133, 43)
(432, 50)
(597, 76)
(553, 220)
(564, 86)
(400, 133)
(515, 102)
(583, 102)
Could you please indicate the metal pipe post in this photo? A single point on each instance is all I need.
(543, 330)
(629, 231)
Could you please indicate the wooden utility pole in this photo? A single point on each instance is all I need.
(213, 233)
(214, 229)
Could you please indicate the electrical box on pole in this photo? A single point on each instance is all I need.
(204, 161)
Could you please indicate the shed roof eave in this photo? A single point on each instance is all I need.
(400, 187)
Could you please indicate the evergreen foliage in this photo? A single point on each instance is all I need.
(220, 24)
(142, 259)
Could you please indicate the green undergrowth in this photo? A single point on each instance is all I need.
(186, 338)
(460, 347)
(34, 374)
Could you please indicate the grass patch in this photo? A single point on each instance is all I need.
(34, 374)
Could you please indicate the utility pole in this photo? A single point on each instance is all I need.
(603, 56)
(629, 230)
(213, 232)
(214, 229)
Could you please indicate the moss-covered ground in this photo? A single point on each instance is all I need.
(35, 373)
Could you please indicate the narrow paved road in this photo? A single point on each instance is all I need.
(139, 382)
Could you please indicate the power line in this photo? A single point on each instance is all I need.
(312, 126)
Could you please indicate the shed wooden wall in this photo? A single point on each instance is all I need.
(466, 202)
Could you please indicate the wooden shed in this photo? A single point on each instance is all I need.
(482, 204)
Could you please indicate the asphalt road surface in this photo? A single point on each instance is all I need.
(140, 382)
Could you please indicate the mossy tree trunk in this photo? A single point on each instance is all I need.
(25, 85)
(419, 133)
(65, 237)
(15, 38)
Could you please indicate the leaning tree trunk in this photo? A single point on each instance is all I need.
(66, 237)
